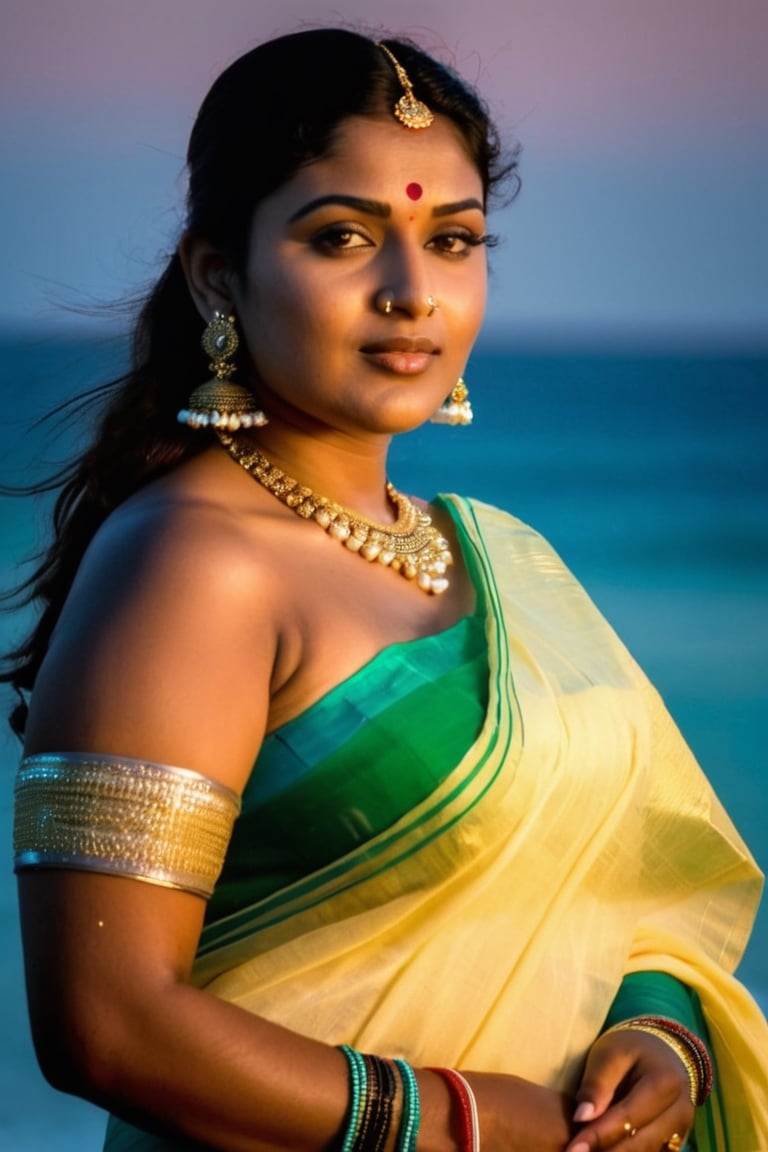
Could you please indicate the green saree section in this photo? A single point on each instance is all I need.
(356, 761)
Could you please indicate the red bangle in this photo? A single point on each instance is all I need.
(464, 1097)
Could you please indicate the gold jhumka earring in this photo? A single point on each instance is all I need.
(219, 403)
(456, 408)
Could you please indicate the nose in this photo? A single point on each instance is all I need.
(404, 283)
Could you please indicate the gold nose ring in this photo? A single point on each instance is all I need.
(385, 302)
(432, 304)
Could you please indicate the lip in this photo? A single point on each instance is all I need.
(401, 355)
(402, 344)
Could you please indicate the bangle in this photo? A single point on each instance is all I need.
(377, 1114)
(695, 1047)
(358, 1094)
(411, 1117)
(462, 1094)
(689, 1048)
(372, 1093)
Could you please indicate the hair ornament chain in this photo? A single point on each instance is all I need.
(409, 111)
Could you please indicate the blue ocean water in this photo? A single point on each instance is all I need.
(648, 470)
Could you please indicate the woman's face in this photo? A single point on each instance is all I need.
(388, 213)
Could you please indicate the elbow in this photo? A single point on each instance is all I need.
(63, 1070)
(69, 1068)
(82, 1056)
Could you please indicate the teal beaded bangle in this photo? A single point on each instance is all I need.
(411, 1118)
(358, 1094)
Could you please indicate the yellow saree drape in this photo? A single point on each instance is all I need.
(577, 841)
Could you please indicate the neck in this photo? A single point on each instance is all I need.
(409, 543)
(349, 470)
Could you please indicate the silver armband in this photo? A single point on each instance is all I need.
(126, 817)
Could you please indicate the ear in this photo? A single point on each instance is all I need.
(208, 275)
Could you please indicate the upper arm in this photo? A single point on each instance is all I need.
(164, 650)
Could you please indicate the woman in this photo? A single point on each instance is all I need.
(406, 878)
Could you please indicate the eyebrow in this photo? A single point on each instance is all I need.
(370, 207)
(458, 206)
(378, 208)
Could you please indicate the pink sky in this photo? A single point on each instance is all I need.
(593, 68)
(644, 126)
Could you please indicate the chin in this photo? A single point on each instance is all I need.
(402, 414)
(400, 424)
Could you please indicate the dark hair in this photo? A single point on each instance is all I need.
(272, 111)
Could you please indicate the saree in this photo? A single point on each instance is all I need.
(573, 844)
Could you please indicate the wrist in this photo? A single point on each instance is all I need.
(690, 1049)
(436, 1134)
(464, 1115)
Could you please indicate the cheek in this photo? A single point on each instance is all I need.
(303, 325)
(278, 302)
(481, 296)
(474, 299)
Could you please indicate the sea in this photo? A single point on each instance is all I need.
(644, 463)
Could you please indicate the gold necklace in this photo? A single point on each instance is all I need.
(411, 546)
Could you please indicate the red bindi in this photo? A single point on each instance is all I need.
(414, 191)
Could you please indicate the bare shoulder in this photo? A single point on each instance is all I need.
(166, 647)
(181, 544)
(175, 540)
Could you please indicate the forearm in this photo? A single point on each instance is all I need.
(185, 1062)
(189, 1065)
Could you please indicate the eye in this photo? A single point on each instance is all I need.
(457, 242)
(340, 238)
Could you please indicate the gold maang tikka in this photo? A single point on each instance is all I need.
(409, 111)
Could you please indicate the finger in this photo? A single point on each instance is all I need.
(635, 1124)
(605, 1070)
(614, 1130)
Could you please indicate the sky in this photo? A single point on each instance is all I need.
(644, 128)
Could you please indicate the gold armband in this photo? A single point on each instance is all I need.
(126, 817)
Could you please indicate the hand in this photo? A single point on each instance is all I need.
(518, 1116)
(634, 1095)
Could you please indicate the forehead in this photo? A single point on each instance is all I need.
(379, 157)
